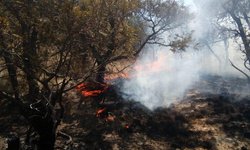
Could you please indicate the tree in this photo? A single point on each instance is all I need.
(108, 33)
(119, 29)
(38, 45)
(47, 45)
(237, 13)
(158, 19)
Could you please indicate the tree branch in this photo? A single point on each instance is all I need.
(248, 78)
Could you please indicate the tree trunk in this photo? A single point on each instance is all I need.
(29, 61)
(100, 72)
(243, 35)
(43, 124)
(47, 135)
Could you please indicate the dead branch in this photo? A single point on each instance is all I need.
(248, 78)
(64, 135)
(245, 64)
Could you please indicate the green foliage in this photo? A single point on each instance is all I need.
(54, 38)
(45, 45)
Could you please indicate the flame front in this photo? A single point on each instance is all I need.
(91, 89)
(91, 93)
(141, 69)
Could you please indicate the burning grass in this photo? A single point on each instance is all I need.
(203, 120)
(91, 89)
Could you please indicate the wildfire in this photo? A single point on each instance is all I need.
(90, 89)
(102, 113)
(94, 89)
(91, 93)
(141, 69)
(155, 66)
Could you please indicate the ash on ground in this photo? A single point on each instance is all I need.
(214, 114)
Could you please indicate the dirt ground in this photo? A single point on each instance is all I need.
(204, 119)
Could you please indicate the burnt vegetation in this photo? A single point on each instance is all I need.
(62, 65)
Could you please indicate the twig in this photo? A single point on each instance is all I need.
(248, 78)
(245, 64)
(64, 135)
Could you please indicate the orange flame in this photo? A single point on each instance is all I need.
(100, 111)
(91, 89)
(91, 93)
(142, 69)
(155, 66)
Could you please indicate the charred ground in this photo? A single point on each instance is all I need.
(212, 115)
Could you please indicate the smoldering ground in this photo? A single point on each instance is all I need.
(160, 77)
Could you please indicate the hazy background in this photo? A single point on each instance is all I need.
(161, 77)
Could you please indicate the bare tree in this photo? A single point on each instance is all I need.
(236, 13)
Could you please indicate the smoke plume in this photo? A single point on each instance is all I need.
(161, 80)
(161, 77)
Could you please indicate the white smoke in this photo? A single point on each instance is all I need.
(161, 77)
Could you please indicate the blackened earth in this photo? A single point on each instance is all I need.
(214, 114)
